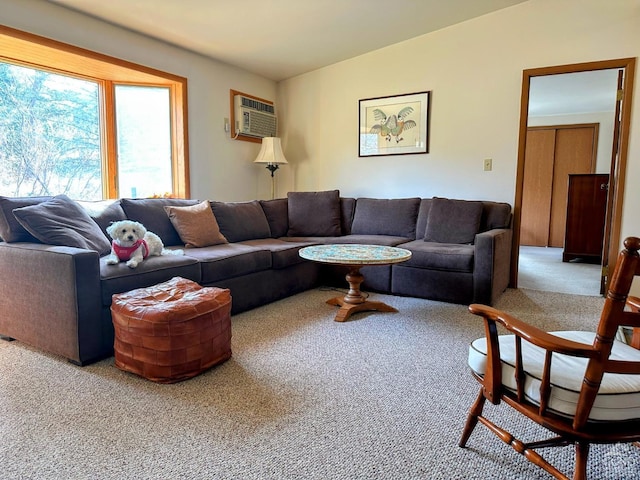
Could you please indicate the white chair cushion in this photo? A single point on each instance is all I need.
(618, 397)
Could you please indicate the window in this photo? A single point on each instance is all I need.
(87, 125)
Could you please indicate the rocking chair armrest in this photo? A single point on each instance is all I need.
(540, 338)
(633, 303)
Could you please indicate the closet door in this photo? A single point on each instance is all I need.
(536, 194)
(574, 154)
(551, 155)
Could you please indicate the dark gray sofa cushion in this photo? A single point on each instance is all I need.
(284, 253)
(495, 215)
(314, 214)
(453, 221)
(396, 217)
(277, 215)
(240, 221)
(104, 212)
(347, 208)
(61, 221)
(229, 260)
(10, 228)
(440, 256)
(154, 269)
(150, 212)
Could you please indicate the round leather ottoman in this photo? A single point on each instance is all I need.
(171, 331)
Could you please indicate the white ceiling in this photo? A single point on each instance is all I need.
(583, 92)
(279, 39)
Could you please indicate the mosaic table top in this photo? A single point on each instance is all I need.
(355, 254)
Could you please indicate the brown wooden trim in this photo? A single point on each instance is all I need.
(618, 183)
(27, 49)
(110, 147)
(232, 116)
(63, 56)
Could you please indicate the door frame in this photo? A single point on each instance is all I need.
(617, 183)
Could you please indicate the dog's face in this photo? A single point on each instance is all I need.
(126, 232)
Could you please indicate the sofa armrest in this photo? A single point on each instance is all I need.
(492, 264)
(50, 299)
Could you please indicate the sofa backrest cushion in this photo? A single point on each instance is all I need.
(453, 221)
(10, 228)
(347, 208)
(104, 212)
(61, 221)
(150, 212)
(423, 217)
(196, 225)
(314, 214)
(495, 215)
(277, 216)
(240, 221)
(395, 217)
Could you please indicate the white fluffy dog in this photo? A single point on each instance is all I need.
(132, 243)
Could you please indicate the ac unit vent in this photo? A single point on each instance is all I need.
(254, 118)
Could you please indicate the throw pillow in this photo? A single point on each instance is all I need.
(314, 214)
(453, 221)
(61, 221)
(196, 225)
(241, 221)
(150, 212)
(10, 228)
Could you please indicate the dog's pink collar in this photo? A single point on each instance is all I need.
(124, 253)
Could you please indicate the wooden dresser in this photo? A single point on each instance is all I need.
(586, 210)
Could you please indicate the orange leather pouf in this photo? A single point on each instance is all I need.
(171, 331)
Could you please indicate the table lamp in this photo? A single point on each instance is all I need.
(271, 154)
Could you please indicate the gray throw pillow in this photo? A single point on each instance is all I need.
(314, 214)
(10, 228)
(61, 221)
(453, 221)
(240, 221)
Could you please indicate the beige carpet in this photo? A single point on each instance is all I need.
(542, 268)
(383, 396)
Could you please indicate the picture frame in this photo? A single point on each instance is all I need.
(394, 125)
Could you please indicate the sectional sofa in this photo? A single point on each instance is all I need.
(56, 287)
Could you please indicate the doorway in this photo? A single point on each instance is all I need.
(617, 158)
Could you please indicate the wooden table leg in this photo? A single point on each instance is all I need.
(354, 301)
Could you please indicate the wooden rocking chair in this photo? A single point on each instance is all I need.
(584, 387)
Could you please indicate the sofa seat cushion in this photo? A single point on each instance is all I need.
(154, 269)
(310, 240)
(283, 254)
(229, 260)
(618, 398)
(383, 240)
(440, 256)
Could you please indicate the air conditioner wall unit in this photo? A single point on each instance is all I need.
(254, 118)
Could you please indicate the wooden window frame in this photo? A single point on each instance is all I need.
(33, 51)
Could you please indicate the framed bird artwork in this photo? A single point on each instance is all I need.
(394, 125)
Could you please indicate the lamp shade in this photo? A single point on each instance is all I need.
(271, 152)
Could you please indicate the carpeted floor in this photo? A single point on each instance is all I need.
(542, 268)
(383, 396)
